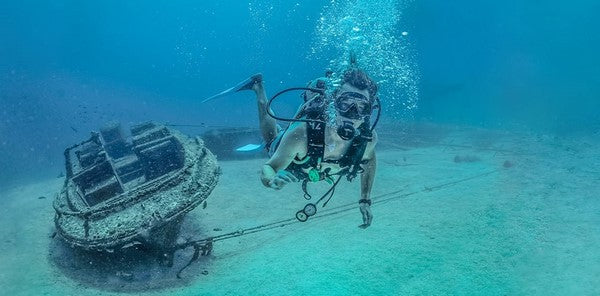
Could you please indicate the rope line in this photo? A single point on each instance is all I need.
(205, 245)
(379, 199)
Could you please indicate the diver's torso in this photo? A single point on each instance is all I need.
(335, 147)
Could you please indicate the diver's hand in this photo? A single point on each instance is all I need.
(365, 210)
(281, 179)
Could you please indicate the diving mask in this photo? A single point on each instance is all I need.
(353, 105)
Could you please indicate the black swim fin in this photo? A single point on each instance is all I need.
(247, 84)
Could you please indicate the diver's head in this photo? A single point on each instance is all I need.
(352, 103)
(359, 79)
(355, 98)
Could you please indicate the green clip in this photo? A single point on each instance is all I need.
(313, 175)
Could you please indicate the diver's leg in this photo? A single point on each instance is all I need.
(268, 124)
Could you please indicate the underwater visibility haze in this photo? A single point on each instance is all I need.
(487, 132)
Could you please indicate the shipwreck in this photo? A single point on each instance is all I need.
(121, 192)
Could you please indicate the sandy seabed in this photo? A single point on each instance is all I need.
(457, 211)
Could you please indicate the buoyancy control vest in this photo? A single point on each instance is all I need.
(309, 168)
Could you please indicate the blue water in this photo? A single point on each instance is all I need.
(505, 204)
(531, 63)
(67, 67)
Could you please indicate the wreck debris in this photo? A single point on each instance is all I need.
(121, 193)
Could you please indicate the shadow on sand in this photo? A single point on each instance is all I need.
(131, 270)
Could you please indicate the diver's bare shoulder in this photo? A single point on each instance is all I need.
(292, 145)
(296, 139)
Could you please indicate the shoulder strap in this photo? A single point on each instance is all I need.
(315, 146)
(315, 133)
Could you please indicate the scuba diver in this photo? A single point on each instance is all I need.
(330, 136)
(341, 143)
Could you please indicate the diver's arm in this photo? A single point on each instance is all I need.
(366, 182)
(367, 177)
(291, 144)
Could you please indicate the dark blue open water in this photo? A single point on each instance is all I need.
(67, 67)
(527, 71)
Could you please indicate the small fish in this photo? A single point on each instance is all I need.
(41, 197)
(74, 129)
(508, 164)
(466, 158)
(127, 276)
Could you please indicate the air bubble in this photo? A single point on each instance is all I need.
(369, 29)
